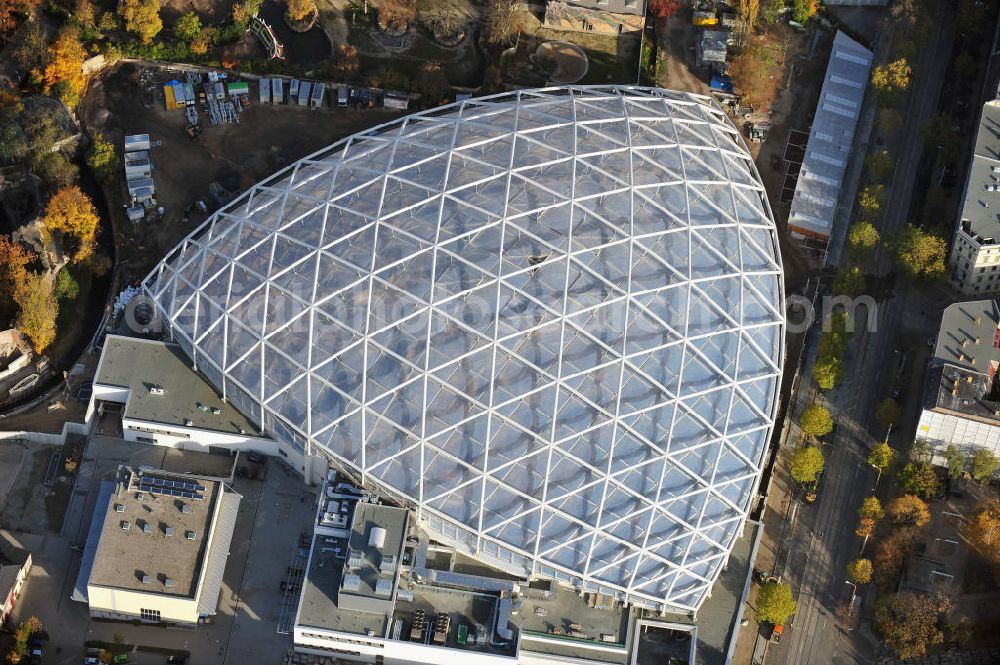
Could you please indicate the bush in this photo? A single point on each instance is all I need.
(187, 26)
(102, 158)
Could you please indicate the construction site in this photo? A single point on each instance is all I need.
(209, 140)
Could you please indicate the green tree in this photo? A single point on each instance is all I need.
(57, 171)
(775, 603)
(245, 10)
(102, 158)
(862, 238)
(919, 479)
(816, 420)
(807, 463)
(888, 119)
(871, 199)
(38, 309)
(888, 412)
(66, 288)
(984, 464)
(871, 507)
(770, 10)
(955, 461)
(187, 27)
(920, 254)
(908, 623)
(827, 372)
(142, 17)
(860, 571)
(803, 10)
(849, 281)
(880, 165)
(881, 456)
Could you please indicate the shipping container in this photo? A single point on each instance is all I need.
(265, 91)
(277, 91)
(318, 93)
(342, 96)
(305, 89)
(293, 89)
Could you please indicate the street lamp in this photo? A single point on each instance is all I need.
(854, 592)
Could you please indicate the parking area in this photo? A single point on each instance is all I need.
(273, 514)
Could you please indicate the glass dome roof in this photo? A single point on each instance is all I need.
(551, 321)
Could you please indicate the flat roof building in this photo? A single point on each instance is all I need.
(15, 565)
(831, 139)
(157, 548)
(975, 252)
(962, 398)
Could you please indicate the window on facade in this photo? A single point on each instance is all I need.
(149, 615)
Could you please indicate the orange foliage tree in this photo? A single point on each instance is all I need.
(71, 216)
(14, 260)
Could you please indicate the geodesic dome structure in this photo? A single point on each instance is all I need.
(551, 321)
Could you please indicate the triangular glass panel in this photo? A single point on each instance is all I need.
(344, 371)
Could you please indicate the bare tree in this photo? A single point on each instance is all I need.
(501, 21)
(749, 13)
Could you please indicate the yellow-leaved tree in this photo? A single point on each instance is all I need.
(39, 308)
(142, 17)
(71, 217)
(64, 71)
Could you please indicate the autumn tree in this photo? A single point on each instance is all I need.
(920, 254)
(346, 63)
(803, 10)
(985, 527)
(807, 463)
(142, 17)
(775, 603)
(31, 52)
(871, 507)
(984, 464)
(880, 165)
(888, 412)
(908, 623)
(871, 199)
(919, 479)
(64, 71)
(187, 27)
(860, 571)
(203, 41)
(432, 84)
(396, 15)
(14, 261)
(501, 21)
(749, 11)
(881, 456)
(816, 420)
(84, 13)
(71, 216)
(663, 8)
(38, 309)
(55, 169)
(862, 238)
(909, 510)
(300, 10)
(955, 461)
(892, 77)
(850, 281)
(244, 10)
(827, 372)
(866, 527)
(890, 552)
(102, 158)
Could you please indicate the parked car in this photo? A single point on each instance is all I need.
(177, 660)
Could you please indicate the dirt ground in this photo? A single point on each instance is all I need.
(267, 139)
(31, 506)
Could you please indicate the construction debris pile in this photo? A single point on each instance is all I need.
(209, 92)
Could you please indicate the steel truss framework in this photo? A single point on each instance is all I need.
(551, 319)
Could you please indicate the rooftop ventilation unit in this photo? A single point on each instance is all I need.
(388, 564)
(146, 579)
(355, 558)
(189, 535)
(157, 390)
(125, 525)
(383, 587)
(119, 507)
(147, 527)
(168, 531)
(167, 582)
(351, 583)
(376, 538)
(186, 509)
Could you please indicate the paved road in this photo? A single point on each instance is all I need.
(823, 540)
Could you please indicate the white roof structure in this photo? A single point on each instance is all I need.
(551, 321)
(822, 174)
